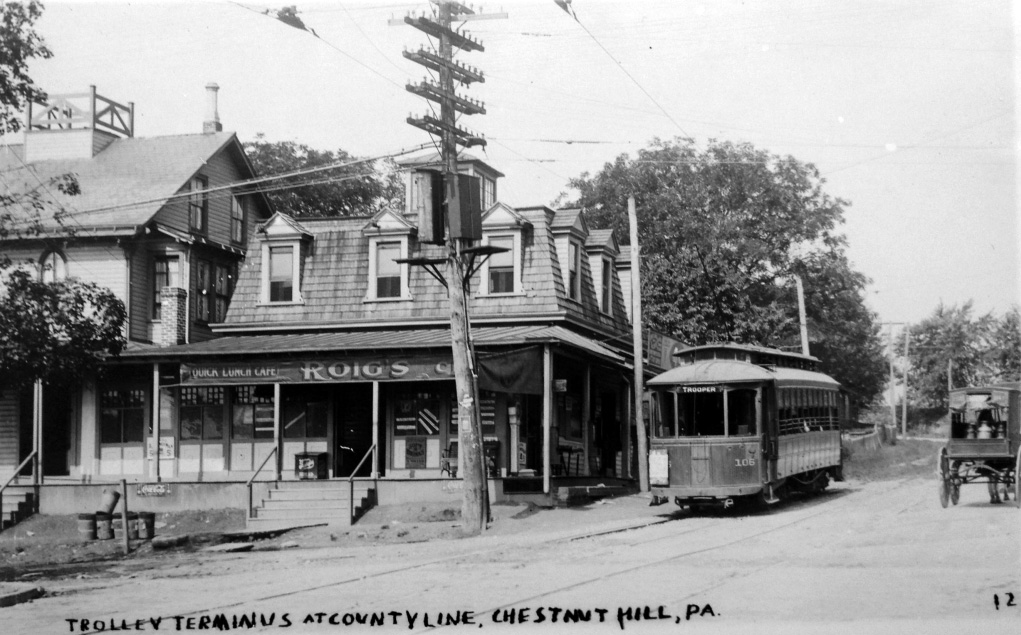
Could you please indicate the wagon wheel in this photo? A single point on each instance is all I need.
(944, 478)
(955, 490)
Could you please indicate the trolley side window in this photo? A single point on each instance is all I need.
(665, 415)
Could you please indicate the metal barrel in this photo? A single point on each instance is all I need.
(87, 526)
(104, 526)
(146, 525)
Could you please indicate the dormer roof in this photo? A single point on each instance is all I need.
(281, 225)
(388, 221)
(602, 240)
(570, 221)
(501, 215)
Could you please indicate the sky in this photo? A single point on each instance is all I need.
(907, 107)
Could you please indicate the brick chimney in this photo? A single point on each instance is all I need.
(212, 122)
(173, 316)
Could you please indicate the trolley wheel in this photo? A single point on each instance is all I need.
(944, 478)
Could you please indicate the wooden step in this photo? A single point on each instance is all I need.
(315, 494)
(290, 514)
(307, 504)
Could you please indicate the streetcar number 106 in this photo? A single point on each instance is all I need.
(744, 462)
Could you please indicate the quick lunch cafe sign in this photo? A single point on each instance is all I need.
(320, 370)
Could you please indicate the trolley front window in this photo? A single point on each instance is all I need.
(707, 411)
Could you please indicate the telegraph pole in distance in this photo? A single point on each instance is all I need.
(460, 231)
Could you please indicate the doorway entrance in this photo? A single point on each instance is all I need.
(353, 413)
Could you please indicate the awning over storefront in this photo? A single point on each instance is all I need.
(404, 355)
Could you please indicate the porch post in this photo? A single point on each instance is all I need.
(586, 415)
(279, 462)
(37, 431)
(154, 469)
(547, 414)
(375, 429)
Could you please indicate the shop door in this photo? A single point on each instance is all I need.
(608, 435)
(56, 429)
(353, 439)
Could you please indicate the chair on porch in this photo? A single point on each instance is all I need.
(448, 460)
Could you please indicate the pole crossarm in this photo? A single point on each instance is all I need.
(436, 127)
(459, 72)
(432, 92)
(436, 30)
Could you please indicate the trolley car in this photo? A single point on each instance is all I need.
(984, 444)
(738, 422)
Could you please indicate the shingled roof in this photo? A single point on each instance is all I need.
(334, 286)
(125, 184)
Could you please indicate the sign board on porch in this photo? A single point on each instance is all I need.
(414, 453)
(559, 385)
(320, 370)
(167, 448)
(153, 489)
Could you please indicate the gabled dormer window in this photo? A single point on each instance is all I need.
(388, 234)
(606, 295)
(282, 274)
(502, 226)
(388, 279)
(285, 245)
(501, 273)
(198, 204)
(388, 271)
(574, 271)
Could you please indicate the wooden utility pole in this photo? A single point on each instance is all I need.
(802, 321)
(636, 323)
(907, 365)
(475, 499)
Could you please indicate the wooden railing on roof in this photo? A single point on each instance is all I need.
(82, 110)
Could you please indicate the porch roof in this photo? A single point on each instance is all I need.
(296, 343)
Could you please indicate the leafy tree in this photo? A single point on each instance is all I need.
(21, 206)
(58, 332)
(951, 341)
(722, 231)
(1005, 346)
(356, 189)
(19, 43)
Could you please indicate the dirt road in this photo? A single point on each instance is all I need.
(862, 558)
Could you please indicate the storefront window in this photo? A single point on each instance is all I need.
(202, 415)
(304, 419)
(252, 412)
(418, 414)
(122, 416)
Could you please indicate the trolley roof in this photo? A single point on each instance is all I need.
(730, 371)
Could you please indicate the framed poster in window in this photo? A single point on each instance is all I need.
(414, 453)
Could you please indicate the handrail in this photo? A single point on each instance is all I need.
(252, 480)
(351, 481)
(33, 455)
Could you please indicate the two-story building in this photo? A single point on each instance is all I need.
(161, 222)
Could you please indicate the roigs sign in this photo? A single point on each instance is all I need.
(313, 371)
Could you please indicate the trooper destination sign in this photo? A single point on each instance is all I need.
(320, 370)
